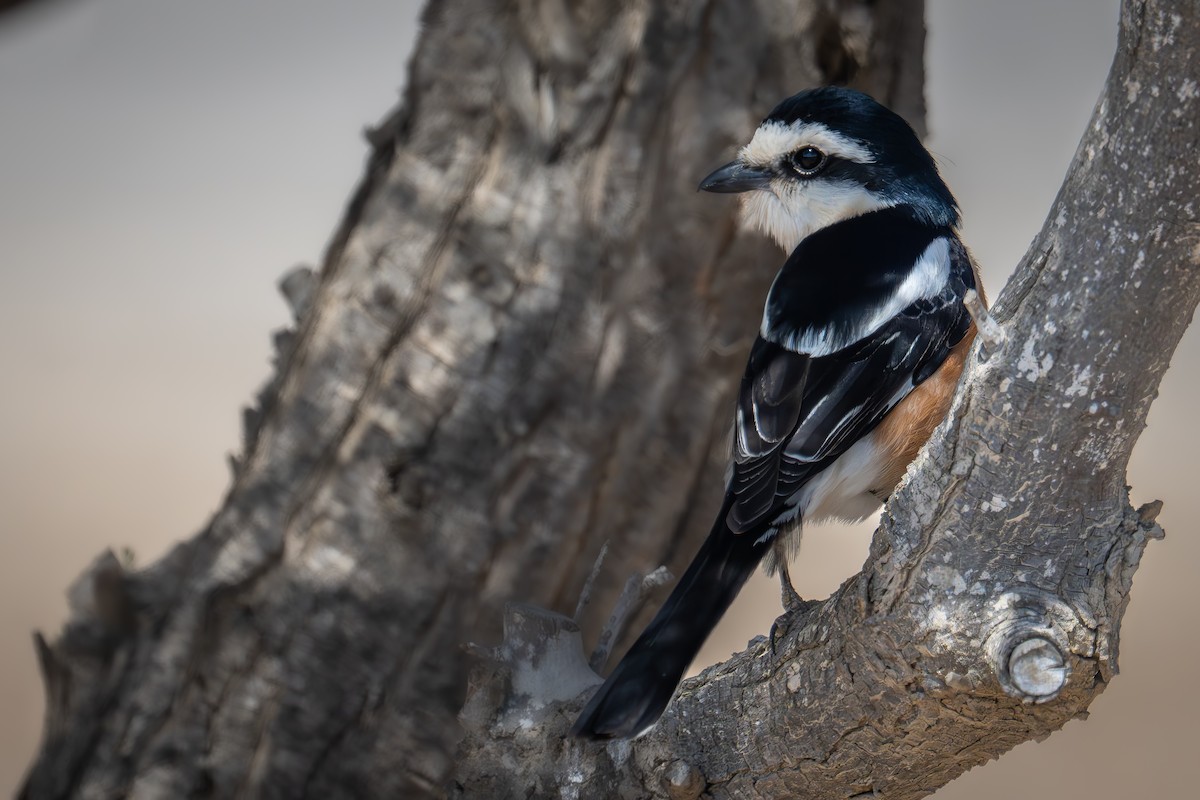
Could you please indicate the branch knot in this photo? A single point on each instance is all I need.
(1038, 669)
(1029, 643)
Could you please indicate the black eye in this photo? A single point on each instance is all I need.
(807, 160)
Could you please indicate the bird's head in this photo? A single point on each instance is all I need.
(828, 154)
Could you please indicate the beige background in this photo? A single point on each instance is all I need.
(163, 162)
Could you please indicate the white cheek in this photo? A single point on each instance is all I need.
(789, 212)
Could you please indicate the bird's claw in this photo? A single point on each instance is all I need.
(794, 606)
(779, 629)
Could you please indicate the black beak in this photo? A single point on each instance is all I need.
(736, 177)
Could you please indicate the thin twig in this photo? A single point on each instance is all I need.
(636, 589)
(585, 594)
(989, 330)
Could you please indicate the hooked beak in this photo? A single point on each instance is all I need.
(736, 177)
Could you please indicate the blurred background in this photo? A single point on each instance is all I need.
(164, 162)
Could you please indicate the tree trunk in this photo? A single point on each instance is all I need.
(523, 343)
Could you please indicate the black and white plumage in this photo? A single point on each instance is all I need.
(862, 341)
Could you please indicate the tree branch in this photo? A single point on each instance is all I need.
(988, 611)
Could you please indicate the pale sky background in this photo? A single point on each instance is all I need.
(163, 162)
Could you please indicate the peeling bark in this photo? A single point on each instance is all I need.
(523, 341)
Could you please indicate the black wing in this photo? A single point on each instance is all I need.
(798, 412)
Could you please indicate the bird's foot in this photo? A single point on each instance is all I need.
(794, 605)
(784, 623)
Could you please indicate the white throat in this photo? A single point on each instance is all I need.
(789, 211)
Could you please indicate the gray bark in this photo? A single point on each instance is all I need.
(523, 342)
(988, 611)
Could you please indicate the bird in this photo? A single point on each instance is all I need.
(863, 339)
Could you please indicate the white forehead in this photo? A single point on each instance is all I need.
(773, 138)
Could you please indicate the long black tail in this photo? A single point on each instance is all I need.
(638, 690)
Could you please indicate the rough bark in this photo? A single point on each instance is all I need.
(988, 611)
(523, 341)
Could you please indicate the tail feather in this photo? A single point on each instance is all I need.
(639, 689)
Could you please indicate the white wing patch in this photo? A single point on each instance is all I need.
(926, 278)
